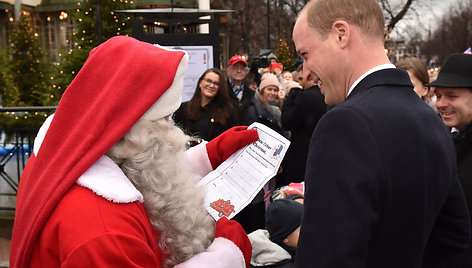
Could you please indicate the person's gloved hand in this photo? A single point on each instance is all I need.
(228, 142)
(233, 231)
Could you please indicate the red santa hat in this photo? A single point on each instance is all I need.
(122, 80)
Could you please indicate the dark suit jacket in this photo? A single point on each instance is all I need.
(381, 182)
(463, 142)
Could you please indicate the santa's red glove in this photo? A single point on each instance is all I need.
(228, 142)
(233, 231)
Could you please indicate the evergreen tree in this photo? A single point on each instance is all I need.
(85, 35)
(284, 55)
(8, 95)
(26, 65)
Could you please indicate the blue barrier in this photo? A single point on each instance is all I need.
(13, 150)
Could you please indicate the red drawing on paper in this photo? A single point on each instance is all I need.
(224, 208)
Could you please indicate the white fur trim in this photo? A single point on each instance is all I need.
(107, 180)
(170, 101)
(221, 253)
(104, 177)
(197, 160)
(41, 134)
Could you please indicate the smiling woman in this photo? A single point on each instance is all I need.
(209, 112)
(265, 106)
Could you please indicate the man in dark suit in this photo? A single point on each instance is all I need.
(453, 90)
(381, 179)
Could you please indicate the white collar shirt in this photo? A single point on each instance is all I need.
(375, 69)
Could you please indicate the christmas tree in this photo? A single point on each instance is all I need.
(284, 55)
(25, 82)
(85, 36)
(7, 93)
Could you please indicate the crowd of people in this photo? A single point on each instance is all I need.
(378, 173)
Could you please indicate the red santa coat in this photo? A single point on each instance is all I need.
(118, 84)
(100, 222)
(87, 230)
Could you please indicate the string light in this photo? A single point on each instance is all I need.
(81, 42)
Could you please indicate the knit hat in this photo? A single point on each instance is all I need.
(272, 56)
(283, 216)
(269, 79)
(101, 104)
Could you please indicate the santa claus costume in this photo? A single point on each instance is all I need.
(76, 207)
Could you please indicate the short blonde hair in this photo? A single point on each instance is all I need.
(366, 14)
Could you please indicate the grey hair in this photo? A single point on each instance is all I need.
(151, 155)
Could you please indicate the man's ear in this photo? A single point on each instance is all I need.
(285, 241)
(342, 31)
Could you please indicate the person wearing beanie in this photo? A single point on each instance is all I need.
(276, 246)
(265, 106)
(453, 89)
(264, 109)
(272, 58)
(109, 183)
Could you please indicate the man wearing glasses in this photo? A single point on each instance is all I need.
(240, 93)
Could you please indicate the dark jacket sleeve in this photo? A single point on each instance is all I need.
(251, 116)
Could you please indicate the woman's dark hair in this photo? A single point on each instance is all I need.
(221, 106)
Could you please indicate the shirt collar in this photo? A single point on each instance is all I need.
(375, 69)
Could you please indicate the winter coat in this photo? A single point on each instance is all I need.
(205, 126)
(269, 116)
(241, 106)
(301, 112)
(463, 143)
(381, 182)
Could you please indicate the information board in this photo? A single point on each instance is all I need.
(200, 59)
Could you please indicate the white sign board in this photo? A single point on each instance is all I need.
(200, 59)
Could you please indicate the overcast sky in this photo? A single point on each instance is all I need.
(429, 13)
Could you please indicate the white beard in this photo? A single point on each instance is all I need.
(151, 155)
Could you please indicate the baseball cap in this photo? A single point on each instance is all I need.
(235, 59)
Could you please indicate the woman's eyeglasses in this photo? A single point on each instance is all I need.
(209, 81)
